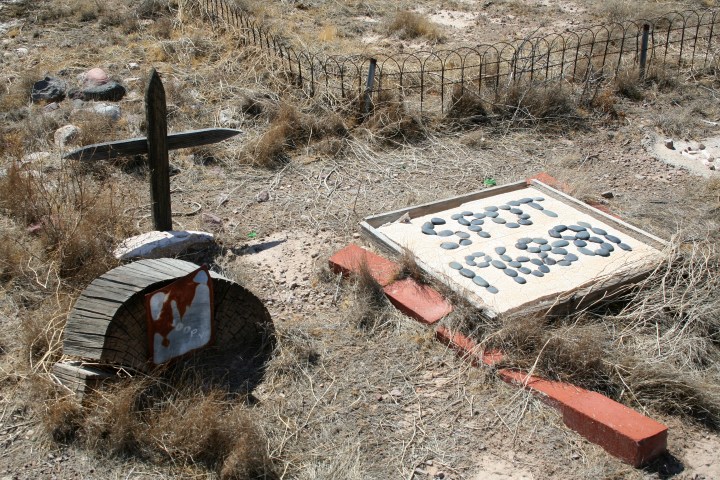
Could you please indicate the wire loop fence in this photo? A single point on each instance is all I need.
(431, 80)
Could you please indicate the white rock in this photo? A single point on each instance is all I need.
(22, 52)
(66, 134)
(157, 244)
(37, 157)
(133, 66)
(112, 111)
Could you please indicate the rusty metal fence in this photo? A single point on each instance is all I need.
(429, 81)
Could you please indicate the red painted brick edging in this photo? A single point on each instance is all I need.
(467, 348)
(352, 258)
(420, 302)
(620, 430)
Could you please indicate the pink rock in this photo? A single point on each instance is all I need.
(95, 77)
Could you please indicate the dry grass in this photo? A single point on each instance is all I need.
(410, 25)
(370, 311)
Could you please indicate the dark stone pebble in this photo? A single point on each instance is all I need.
(483, 234)
(491, 214)
(469, 258)
(492, 289)
(564, 263)
(504, 207)
(462, 234)
(429, 231)
(478, 254)
(595, 239)
(482, 264)
(612, 238)
(491, 208)
(479, 215)
(625, 246)
(560, 243)
(467, 213)
(477, 221)
(607, 246)
(544, 269)
(524, 270)
(510, 272)
(553, 233)
(576, 228)
(499, 220)
(582, 235)
(586, 251)
(428, 225)
(536, 261)
(515, 264)
(524, 222)
(571, 257)
(538, 273)
(522, 258)
(463, 221)
(456, 216)
(438, 221)
(471, 263)
(545, 248)
(480, 281)
(487, 258)
(514, 203)
(498, 264)
(520, 280)
(602, 252)
(525, 200)
(560, 228)
(512, 225)
(540, 241)
(550, 213)
(465, 242)
(550, 261)
(580, 243)
(507, 258)
(536, 206)
(455, 265)
(598, 231)
(475, 228)
(449, 245)
(543, 255)
(533, 249)
(568, 237)
(465, 272)
(521, 246)
(445, 233)
(516, 211)
(524, 216)
(500, 250)
(584, 224)
(559, 251)
(539, 199)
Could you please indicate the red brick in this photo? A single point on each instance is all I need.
(467, 348)
(420, 302)
(549, 180)
(351, 258)
(621, 431)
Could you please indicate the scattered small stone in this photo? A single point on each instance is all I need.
(669, 143)
(263, 196)
(65, 134)
(133, 66)
(51, 107)
(111, 111)
(607, 194)
(111, 91)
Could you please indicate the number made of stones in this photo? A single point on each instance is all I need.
(504, 207)
(516, 211)
(625, 247)
(538, 273)
(492, 289)
(438, 221)
(512, 225)
(521, 246)
(429, 231)
(560, 228)
(449, 245)
(576, 228)
(595, 239)
(477, 221)
(456, 216)
(478, 280)
(498, 264)
(579, 243)
(550, 213)
(514, 203)
(466, 272)
(524, 270)
(479, 215)
(554, 234)
(491, 208)
(491, 214)
(520, 280)
(467, 213)
(598, 231)
(500, 250)
(462, 234)
(464, 222)
(539, 240)
(510, 272)
(515, 264)
(484, 234)
(465, 242)
(560, 243)
(524, 222)
(445, 233)
(475, 228)
(536, 206)
(612, 238)
(586, 251)
(499, 220)
(582, 235)
(455, 266)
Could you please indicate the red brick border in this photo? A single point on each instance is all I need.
(621, 431)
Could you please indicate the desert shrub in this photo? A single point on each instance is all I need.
(537, 104)
(467, 106)
(409, 25)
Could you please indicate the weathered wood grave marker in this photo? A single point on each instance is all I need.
(156, 145)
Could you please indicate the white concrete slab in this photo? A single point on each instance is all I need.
(511, 296)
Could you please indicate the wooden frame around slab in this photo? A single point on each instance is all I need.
(580, 297)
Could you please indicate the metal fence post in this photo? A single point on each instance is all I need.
(643, 50)
(369, 85)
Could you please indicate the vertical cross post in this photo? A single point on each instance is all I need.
(156, 119)
(644, 50)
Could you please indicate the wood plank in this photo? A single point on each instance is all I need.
(158, 159)
(138, 146)
(106, 293)
(440, 205)
(172, 270)
(147, 272)
(107, 283)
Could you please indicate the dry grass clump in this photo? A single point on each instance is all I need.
(467, 106)
(371, 309)
(409, 268)
(409, 25)
(156, 422)
(291, 129)
(392, 124)
(538, 104)
(295, 352)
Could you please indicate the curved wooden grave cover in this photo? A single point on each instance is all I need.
(108, 323)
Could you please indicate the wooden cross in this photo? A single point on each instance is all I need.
(157, 145)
